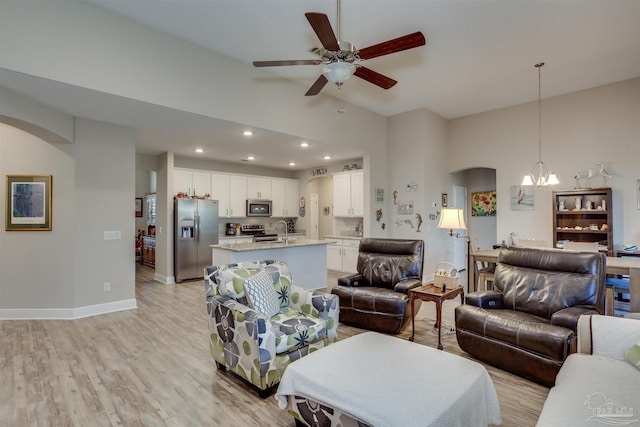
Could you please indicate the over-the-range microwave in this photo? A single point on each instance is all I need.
(258, 207)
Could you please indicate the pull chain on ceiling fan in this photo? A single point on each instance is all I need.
(341, 59)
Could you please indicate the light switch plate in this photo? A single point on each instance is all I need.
(112, 235)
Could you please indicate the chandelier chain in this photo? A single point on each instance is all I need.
(538, 66)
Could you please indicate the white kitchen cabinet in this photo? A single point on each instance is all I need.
(258, 187)
(334, 256)
(182, 181)
(201, 183)
(191, 183)
(231, 193)
(348, 194)
(342, 255)
(284, 195)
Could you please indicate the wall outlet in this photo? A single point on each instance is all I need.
(107, 286)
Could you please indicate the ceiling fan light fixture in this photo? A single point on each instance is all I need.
(338, 72)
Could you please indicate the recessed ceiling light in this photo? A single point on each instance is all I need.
(327, 157)
(247, 133)
(304, 144)
(292, 163)
(250, 158)
(199, 150)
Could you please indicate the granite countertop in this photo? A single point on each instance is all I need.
(256, 246)
(344, 237)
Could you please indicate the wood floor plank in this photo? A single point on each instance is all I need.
(151, 366)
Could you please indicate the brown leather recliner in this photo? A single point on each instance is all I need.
(527, 323)
(377, 296)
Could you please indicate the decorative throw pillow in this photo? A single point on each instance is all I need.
(230, 278)
(281, 277)
(261, 294)
(633, 355)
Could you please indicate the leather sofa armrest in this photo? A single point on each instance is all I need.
(568, 317)
(485, 299)
(352, 280)
(403, 286)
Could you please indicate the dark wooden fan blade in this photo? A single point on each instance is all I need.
(317, 86)
(281, 63)
(321, 25)
(374, 77)
(391, 46)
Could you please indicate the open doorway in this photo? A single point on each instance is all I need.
(482, 230)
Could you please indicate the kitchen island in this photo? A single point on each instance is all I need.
(307, 259)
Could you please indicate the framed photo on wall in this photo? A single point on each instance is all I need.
(522, 198)
(138, 207)
(28, 203)
(445, 200)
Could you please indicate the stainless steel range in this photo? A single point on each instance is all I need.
(258, 233)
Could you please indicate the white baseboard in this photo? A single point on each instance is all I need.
(66, 313)
(167, 280)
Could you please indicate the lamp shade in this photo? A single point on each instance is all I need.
(338, 72)
(452, 218)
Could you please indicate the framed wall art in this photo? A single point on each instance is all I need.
(483, 203)
(138, 207)
(405, 208)
(445, 200)
(28, 203)
(522, 198)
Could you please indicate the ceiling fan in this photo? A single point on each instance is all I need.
(341, 59)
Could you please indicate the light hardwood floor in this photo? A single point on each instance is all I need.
(151, 367)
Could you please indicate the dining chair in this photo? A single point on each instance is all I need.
(580, 246)
(532, 243)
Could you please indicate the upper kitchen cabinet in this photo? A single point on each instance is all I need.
(231, 193)
(191, 183)
(258, 188)
(284, 194)
(348, 194)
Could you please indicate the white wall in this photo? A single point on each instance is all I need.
(61, 273)
(104, 193)
(579, 130)
(37, 267)
(417, 147)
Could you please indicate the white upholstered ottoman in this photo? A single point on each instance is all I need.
(380, 380)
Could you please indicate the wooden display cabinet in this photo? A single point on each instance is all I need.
(149, 251)
(583, 215)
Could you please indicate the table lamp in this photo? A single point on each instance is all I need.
(453, 219)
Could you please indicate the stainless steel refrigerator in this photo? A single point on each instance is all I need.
(195, 228)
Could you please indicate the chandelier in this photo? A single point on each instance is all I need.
(540, 175)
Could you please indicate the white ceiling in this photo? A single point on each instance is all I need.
(479, 56)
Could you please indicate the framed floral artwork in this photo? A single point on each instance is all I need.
(483, 203)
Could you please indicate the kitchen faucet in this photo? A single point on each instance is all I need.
(286, 230)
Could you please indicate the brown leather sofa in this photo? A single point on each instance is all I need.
(377, 296)
(527, 323)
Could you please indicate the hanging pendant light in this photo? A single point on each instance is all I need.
(540, 176)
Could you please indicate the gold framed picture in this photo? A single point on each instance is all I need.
(28, 203)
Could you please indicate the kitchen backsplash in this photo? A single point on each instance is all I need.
(348, 227)
(269, 224)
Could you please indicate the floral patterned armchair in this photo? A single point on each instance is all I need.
(256, 347)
